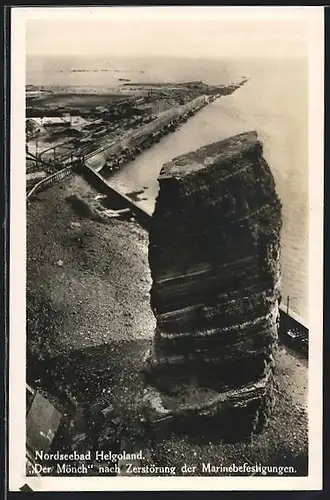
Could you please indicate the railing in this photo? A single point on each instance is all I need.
(51, 179)
(85, 134)
(289, 312)
(48, 167)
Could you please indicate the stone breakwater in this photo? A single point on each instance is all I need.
(136, 140)
(214, 256)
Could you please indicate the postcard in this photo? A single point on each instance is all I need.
(166, 248)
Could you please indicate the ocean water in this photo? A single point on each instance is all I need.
(274, 102)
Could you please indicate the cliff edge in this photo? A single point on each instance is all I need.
(214, 255)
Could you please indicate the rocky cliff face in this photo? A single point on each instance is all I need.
(215, 262)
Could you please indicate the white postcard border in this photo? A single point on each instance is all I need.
(17, 338)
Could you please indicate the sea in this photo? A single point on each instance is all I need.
(274, 102)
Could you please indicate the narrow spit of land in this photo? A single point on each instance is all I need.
(90, 325)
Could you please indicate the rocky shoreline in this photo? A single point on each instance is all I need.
(109, 127)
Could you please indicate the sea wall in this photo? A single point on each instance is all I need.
(133, 142)
(214, 256)
(120, 200)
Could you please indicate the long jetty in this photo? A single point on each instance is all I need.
(132, 142)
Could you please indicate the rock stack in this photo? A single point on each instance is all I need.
(214, 256)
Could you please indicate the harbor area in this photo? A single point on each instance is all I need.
(106, 127)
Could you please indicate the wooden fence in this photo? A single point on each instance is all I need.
(51, 179)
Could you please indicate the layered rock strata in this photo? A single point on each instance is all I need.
(214, 256)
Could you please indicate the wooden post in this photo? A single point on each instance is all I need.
(287, 305)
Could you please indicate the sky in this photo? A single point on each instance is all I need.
(180, 32)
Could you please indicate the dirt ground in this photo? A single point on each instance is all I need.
(90, 325)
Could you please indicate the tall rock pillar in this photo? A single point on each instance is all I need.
(214, 256)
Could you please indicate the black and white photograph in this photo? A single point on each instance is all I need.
(166, 248)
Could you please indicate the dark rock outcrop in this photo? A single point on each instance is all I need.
(214, 255)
